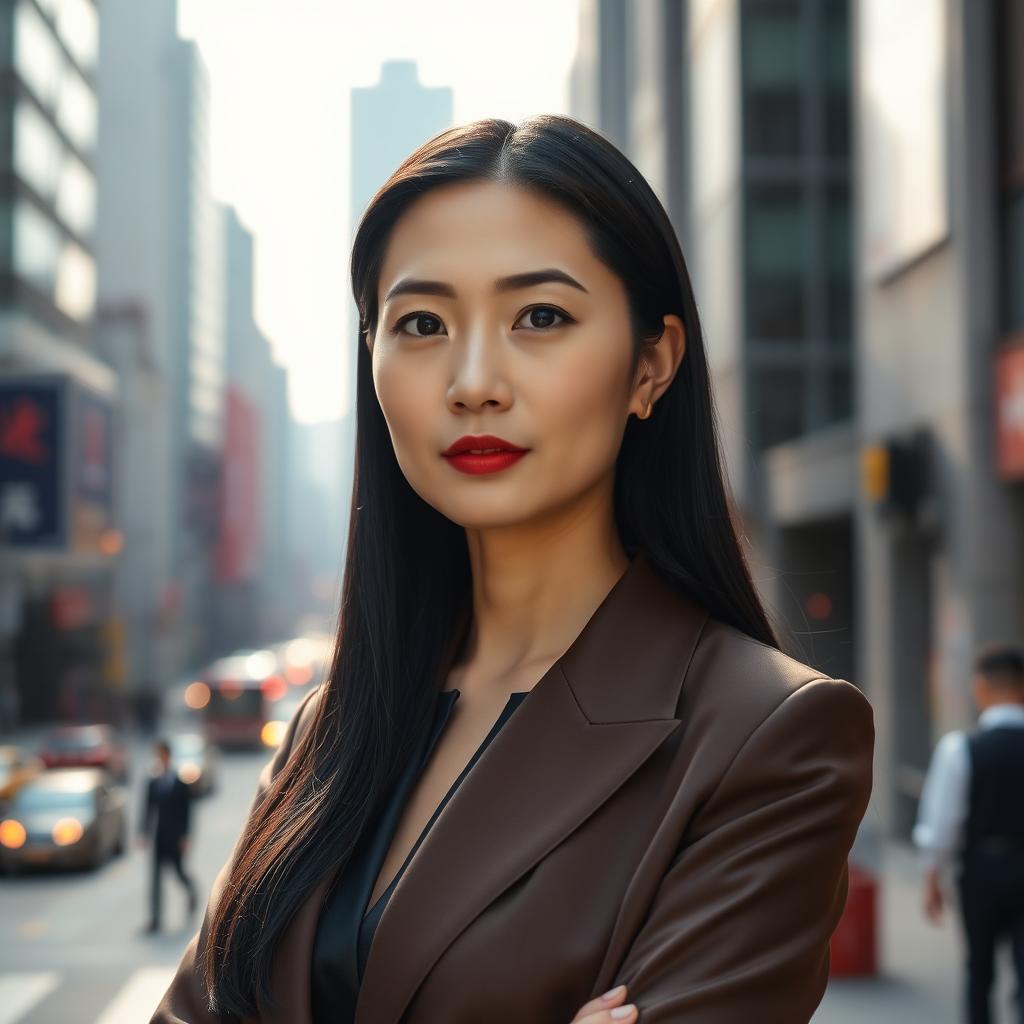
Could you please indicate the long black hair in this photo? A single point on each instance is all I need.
(407, 584)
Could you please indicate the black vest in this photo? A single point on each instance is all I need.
(996, 796)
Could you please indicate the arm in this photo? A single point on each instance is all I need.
(740, 926)
(186, 808)
(941, 815)
(185, 1001)
(148, 807)
(943, 807)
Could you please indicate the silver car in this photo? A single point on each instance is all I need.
(64, 817)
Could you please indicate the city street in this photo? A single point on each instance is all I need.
(70, 951)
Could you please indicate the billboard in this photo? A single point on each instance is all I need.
(56, 458)
(32, 462)
(91, 494)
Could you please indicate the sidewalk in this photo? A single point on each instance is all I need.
(920, 965)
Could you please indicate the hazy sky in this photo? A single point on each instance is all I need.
(280, 75)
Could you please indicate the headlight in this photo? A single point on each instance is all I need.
(273, 732)
(12, 834)
(67, 831)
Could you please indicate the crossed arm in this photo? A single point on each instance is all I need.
(740, 927)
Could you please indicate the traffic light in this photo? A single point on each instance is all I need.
(896, 472)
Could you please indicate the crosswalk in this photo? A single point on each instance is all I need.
(20, 992)
(49, 997)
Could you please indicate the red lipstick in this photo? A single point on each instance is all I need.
(482, 453)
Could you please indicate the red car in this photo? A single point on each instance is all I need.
(86, 746)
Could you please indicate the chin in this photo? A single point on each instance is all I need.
(473, 513)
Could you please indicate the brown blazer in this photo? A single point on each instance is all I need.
(672, 807)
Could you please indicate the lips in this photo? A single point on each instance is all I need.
(481, 444)
(477, 454)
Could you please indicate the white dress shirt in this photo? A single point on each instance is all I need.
(943, 808)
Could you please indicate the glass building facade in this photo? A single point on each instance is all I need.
(1010, 184)
(795, 110)
(48, 121)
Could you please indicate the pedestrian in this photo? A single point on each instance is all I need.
(165, 827)
(971, 818)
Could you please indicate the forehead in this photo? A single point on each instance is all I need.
(477, 231)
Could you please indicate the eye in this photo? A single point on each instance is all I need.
(540, 317)
(422, 320)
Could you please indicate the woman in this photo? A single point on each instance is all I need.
(666, 800)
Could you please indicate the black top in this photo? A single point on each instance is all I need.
(996, 800)
(344, 934)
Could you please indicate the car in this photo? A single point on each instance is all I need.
(17, 766)
(195, 760)
(86, 746)
(64, 817)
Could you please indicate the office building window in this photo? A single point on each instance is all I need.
(777, 404)
(837, 249)
(75, 292)
(775, 242)
(36, 246)
(76, 111)
(37, 56)
(771, 77)
(78, 28)
(1010, 114)
(37, 150)
(76, 196)
(836, 74)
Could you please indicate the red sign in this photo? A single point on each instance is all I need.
(71, 607)
(22, 428)
(238, 547)
(1009, 410)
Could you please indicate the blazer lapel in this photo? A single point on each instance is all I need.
(590, 722)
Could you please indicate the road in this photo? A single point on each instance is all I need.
(70, 951)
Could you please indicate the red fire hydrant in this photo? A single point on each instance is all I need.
(853, 945)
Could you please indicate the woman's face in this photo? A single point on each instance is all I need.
(462, 348)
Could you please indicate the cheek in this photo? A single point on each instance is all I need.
(585, 405)
(405, 401)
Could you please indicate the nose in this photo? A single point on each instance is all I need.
(479, 377)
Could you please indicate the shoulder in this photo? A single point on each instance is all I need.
(953, 741)
(304, 714)
(734, 684)
(952, 750)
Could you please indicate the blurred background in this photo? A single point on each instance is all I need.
(180, 183)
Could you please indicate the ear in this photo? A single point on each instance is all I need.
(659, 361)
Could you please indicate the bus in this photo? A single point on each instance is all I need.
(247, 698)
(236, 695)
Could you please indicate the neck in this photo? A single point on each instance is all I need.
(530, 601)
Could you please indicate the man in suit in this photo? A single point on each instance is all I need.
(165, 825)
(972, 814)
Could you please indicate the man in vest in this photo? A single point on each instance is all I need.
(971, 817)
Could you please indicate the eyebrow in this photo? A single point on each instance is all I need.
(550, 275)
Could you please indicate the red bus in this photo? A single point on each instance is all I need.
(235, 696)
(248, 698)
